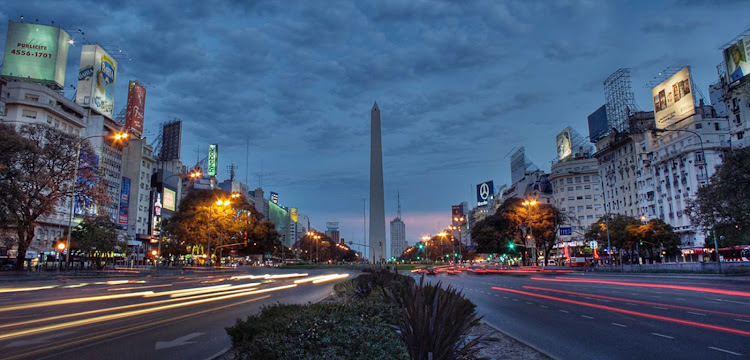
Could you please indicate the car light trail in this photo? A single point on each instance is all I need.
(10, 290)
(203, 291)
(73, 301)
(140, 287)
(317, 278)
(686, 308)
(267, 276)
(331, 278)
(647, 285)
(98, 319)
(629, 312)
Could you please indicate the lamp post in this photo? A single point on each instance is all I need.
(191, 175)
(79, 143)
(210, 220)
(529, 203)
(705, 176)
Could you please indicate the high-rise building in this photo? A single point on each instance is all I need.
(171, 140)
(398, 233)
(377, 202)
(138, 166)
(109, 151)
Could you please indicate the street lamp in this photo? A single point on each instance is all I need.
(529, 203)
(117, 137)
(218, 202)
(461, 222)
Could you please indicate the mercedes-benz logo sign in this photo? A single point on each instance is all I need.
(484, 191)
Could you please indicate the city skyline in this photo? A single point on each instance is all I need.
(304, 87)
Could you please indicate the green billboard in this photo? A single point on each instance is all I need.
(213, 159)
(36, 52)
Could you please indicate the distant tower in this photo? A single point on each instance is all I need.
(377, 203)
(398, 232)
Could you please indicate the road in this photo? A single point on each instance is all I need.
(584, 316)
(172, 317)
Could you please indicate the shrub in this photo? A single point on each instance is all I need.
(435, 322)
(319, 331)
(373, 286)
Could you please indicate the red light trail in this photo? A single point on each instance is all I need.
(629, 312)
(661, 286)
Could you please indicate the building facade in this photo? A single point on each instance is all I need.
(139, 164)
(398, 237)
(577, 192)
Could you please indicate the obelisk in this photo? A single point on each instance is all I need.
(377, 202)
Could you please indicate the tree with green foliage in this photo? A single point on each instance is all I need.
(655, 236)
(723, 205)
(95, 238)
(37, 165)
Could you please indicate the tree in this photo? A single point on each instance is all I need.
(37, 165)
(655, 236)
(619, 236)
(723, 205)
(96, 239)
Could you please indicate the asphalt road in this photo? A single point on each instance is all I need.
(173, 317)
(584, 316)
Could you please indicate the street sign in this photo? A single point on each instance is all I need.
(594, 244)
(566, 231)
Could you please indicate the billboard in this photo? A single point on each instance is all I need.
(96, 80)
(213, 159)
(135, 108)
(332, 226)
(598, 124)
(171, 140)
(36, 52)
(280, 217)
(169, 198)
(124, 203)
(737, 59)
(485, 192)
(564, 147)
(673, 99)
(294, 214)
(274, 198)
(456, 211)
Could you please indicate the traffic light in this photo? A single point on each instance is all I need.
(641, 242)
(420, 246)
(511, 245)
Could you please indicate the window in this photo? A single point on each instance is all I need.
(572, 209)
(578, 179)
(587, 187)
(570, 180)
(579, 187)
(579, 197)
(716, 126)
(29, 114)
(587, 178)
(580, 208)
(571, 198)
(698, 126)
(30, 97)
(570, 188)
(740, 135)
(589, 207)
(588, 197)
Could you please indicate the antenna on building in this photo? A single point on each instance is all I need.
(231, 169)
(620, 99)
(398, 201)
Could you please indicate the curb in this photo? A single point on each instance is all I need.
(220, 353)
(520, 341)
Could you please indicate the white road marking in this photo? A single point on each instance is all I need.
(544, 306)
(660, 308)
(743, 320)
(587, 317)
(662, 335)
(505, 297)
(723, 350)
(602, 300)
(528, 302)
(620, 325)
(497, 295)
(565, 311)
(515, 299)
(180, 341)
(631, 304)
(695, 313)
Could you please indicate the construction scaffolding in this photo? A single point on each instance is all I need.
(620, 99)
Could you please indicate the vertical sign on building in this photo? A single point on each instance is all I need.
(274, 198)
(213, 159)
(135, 108)
(124, 203)
(96, 80)
(293, 213)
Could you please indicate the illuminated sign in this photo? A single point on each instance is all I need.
(456, 211)
(564, 148)
(737, 59)
(213, 159)
(274, 198)
(169, 199)
(566, 231)
(294, 214)
(485, 192)
(332, 226)
(124, 203)
(36, 52)
(96, 80)
(135, 108)
(673, 99)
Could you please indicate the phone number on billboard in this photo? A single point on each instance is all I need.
(29, 53)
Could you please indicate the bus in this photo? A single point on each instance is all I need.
(739, 253)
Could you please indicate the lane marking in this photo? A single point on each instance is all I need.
(587, 317)
(743, 320)
(620, 325)
(723, 350)
(695, 313)
(660, 308)
(631, 304)
(565, 311)
(515, 299)
(505, 297)
(662, 335)
(528, 302)
(544, 306)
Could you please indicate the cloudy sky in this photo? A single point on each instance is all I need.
(459, 83)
